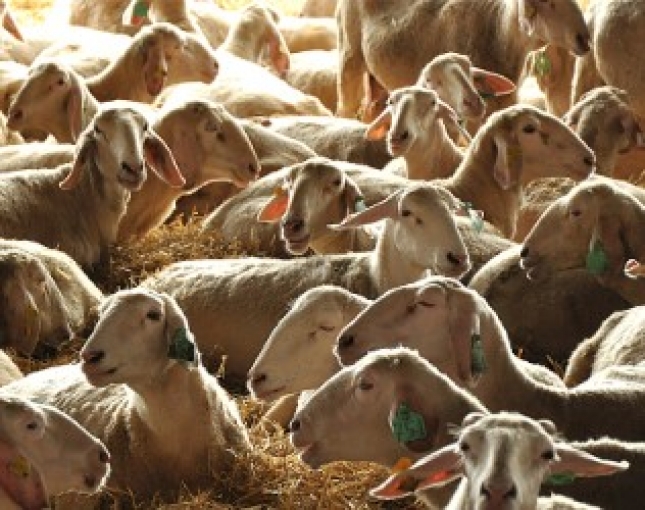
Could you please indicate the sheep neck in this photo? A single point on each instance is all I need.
(473, 182)
(434, 156)
(244, 41)
(61, 129)
(116, 80)
(389, 267)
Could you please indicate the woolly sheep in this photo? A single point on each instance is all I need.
(140, 387)
(618, 341)
(407, 313)
(419, 234)
(109, 164)
(502, 459)
(46, 295)
(367, 43)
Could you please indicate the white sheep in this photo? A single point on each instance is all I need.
(319, 8)
(503, 458)
(618, 341)
(35, 155)
(140, 387)
(47, 297)
(500, 34)
(45, 452)
(109, 164)
(315, 72)
(419, 234)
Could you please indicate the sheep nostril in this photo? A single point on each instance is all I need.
(589, 161)
(525, 252)
(404, 136)
(104, 456)
(583, 43)
(16, 115)
(258, 379)
(90, 481)
(485, 492)
(93, 357)
(454, 259)
(254, 169)
(345, 341)
(294, 426)
(511, 493)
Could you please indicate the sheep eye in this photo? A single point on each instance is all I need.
(327, 328)
(146, 127)
(154, 315)
(97, 130)
(419, 221)
(405, 213)
(336, 182)
(548, 455)
(365, 386)
(529, 128)
(576, 213)
(221, 137)
(32, 425)
(426, 304)
(464, 446)
(60, 81)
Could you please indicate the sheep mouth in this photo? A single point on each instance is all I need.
(397, 148)
(298, 245)
(269, 395)
(95, 373)
(130, 179)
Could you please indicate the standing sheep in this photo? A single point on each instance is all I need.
(140, 387)
(234, 304)
(108, 166)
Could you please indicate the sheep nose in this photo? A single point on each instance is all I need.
(93, 357)
(345, 341)
(132, 169)
(104, 456)
(589, 160)
(525, 252)
(499, 492)
(294, 426)
(402, 137)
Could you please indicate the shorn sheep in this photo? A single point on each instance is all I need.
(419, 234)
(108, 166)
(372, 38)
(504, 458)
(140, 386)
(44, 453)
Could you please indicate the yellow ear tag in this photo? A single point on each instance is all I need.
(401, 465)
(20, 467)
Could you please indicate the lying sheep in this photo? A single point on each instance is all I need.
(109, 164)
(35, 155)
(419, 234)
(45, 452)
(46, 295)
(370, 42)
(315, 73)
(526, 453)
(139, 365)
(618, 341)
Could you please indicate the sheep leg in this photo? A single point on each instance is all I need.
(351, 65)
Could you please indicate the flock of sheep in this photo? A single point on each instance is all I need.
(444, 206)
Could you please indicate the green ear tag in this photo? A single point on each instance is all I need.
(597, 261)
(478, 358)
(140, 12)
(542, 65)
(359, 204)
(560, 479)
(181, 348)
(407, 425)
(475, 217)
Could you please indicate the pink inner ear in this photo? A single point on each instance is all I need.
(274, 210)
(20, 480)
(492, 84)
(378, 129)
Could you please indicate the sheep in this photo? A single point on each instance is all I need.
(108, 166)
(130, 389)
(319, 8)
(503, 458)
(298, 355)
(12, 74)
(416, 124)
(46, 295)
(45, 452)
(617, 342)
(351, 417)
(315, 72)
(552, 67)
(419, 234)
(9, 371)
(372, 39)
(208, 144)
(35, 155)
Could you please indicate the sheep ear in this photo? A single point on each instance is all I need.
(438, 468)
(278, 54)
(75, 108)
(388, 208)
(181, 342)
(573, 462)
(9, 23)
(86, 149)
(410, 422)
(492, 84)
(354, 201)
(378, 129)
(275, 208)
(450, 118)
(508, 163)
(161, 161)
(155, 68)
(466, 338)
(527, 14)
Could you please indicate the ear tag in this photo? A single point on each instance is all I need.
(181, 348)
(140, 13)
(359, 204)
(597, 262)
(19, 466)
(407, 425)
(542, 65)
(401, 465)
(476, 217)
(560, 479)
(478, 358)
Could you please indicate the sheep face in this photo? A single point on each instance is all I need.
(349, 417)
(65, 455)
(151, 322)
(559, 22)
(606, 123)
(303, 341)
(171, 56)
(209, 144)
(33, 309)
(529, 144)
(593, 216)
